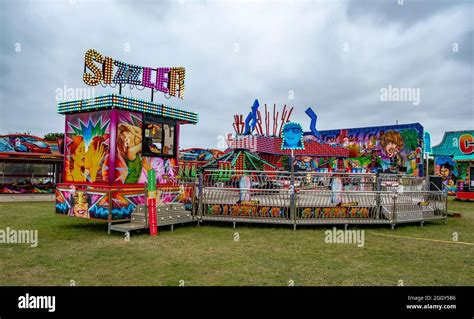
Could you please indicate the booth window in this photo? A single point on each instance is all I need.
(159, 136)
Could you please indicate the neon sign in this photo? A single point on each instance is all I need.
(100, 69)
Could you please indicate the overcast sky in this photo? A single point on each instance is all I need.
(334, 56)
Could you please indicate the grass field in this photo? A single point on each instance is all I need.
(80, 250)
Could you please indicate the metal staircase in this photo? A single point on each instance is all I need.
(167, 214)
(138, 220)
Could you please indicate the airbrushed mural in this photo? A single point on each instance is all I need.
(447, 168)
(92, 204)
(131, 166)
(105, 167)
(454, 162)
(384, 148)
(24, 144)
(87, 147)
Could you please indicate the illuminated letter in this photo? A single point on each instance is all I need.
(134, 75)
(121, 74)
(176, 82)
(94, 78)
(161, 79)
(108, 68)
(146, 82)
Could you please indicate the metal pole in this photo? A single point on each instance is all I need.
(394, 210)
(427, 164)
(200, 201)
(292, 198)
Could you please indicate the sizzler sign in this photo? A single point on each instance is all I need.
(101, 69)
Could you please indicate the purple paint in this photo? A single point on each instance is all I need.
(112, 144)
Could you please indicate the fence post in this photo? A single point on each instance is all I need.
(200, 194)
(394, 209)
(292, 192)
(293, 206)
(445, 205)
(377, 205)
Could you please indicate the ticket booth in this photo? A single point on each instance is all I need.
(111, 142)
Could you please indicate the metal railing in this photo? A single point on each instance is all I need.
(316, 198)
(396, 182)
(325, 181)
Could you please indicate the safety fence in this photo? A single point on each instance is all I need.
(316, 198)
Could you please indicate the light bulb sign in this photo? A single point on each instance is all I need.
(99, 69)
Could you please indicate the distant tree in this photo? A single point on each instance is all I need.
(53, 136)
(21, 133)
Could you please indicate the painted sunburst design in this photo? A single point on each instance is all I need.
(90, 129)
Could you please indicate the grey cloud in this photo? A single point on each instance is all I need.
(282, 47)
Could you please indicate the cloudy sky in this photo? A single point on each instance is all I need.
(335, 56)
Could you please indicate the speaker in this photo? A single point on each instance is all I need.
(436, 183)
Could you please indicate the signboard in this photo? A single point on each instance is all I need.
(466, 144)
(99, 69)
(151, 202)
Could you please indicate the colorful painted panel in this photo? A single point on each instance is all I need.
(396, 147)
(124, 203)
(82, 204)
(131, 166)
(24, 144)
(87, 147)
(249, 210)
(450, 171)
(334, 212)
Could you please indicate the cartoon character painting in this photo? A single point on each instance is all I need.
(81, 205)
(447, 169)
(392, 143)
(292, 136)
(391, 148)
(85, 164)
(336, 187)
(129, 147)
(86, 147)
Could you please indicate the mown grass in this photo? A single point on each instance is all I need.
(80, 250)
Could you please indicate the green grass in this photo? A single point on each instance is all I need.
(81, 250)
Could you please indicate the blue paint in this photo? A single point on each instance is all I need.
(314, 118)
(251, 117)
